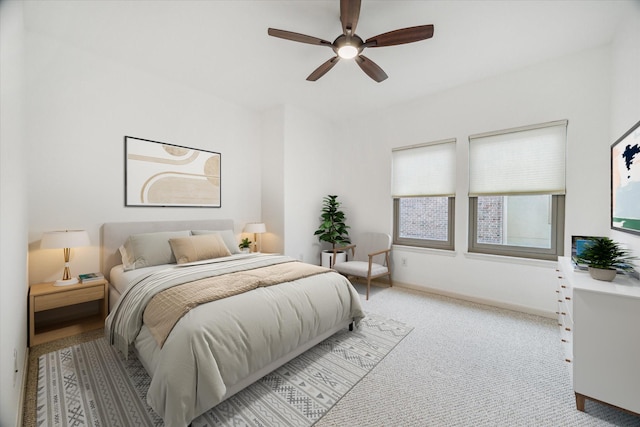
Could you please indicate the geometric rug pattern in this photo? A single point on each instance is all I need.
(90, 384)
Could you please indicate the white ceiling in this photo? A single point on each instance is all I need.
(222, 47)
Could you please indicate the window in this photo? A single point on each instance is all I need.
(516, 191)
(423, 192)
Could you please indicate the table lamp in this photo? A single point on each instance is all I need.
(66, 240)
(256, 228)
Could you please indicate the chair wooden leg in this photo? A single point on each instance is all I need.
(390, 281)
(368, 287)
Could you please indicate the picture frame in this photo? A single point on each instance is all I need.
(625, 182)
(158, 174)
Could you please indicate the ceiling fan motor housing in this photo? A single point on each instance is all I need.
(348, 46)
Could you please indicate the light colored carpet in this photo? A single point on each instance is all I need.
(467, 364)
(463, 364)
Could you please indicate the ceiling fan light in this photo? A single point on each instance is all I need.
(347, 51)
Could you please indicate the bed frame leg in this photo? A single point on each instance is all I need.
(351, 326)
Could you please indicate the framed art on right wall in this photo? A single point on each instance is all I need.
(625, 182)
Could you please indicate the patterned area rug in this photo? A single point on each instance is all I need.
(90, 384)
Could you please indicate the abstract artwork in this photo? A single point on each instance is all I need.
(625, 182)
(160, 174)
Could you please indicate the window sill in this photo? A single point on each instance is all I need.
(421, 250)
(512, 260)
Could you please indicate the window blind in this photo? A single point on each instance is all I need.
(424, 170)
(528, 160)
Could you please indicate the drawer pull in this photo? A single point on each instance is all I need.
(563, 313)
(567, 298)
(567, 329)
(567, 360)
(563, 286)
(563, 340)
(557, 292)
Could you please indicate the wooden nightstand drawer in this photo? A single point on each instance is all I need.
(76, 296)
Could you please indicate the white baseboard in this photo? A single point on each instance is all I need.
(23, 393)
(478, 300)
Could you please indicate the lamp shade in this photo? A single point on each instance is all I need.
(64, 239)
(255, 227)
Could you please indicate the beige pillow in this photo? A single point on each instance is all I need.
(227, 235)
(198, 248)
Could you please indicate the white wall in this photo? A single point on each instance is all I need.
(272, 179)
(309, 155)
(297, 172)
(80, 107)
(625, 104)
(13, 214)
(576, 88)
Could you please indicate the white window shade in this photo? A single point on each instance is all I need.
(424, 170)
(527, 160)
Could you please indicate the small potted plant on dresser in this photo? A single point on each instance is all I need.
(245, 245)
(603, 256)
(333, 230)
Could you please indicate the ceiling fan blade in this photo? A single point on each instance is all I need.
(349, 14)
(297, 37)
(371, 68)
(323, 69)
(402, 36)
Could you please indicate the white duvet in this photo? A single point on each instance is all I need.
(215, 347)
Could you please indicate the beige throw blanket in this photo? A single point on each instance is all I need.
(167, 307)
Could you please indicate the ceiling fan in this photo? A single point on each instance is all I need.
(349, 45)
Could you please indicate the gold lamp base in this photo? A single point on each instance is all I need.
(66, 275)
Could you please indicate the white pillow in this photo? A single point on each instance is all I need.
(148, 249)
(228, 237)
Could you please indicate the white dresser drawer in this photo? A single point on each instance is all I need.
(566, 337)
(598, 324)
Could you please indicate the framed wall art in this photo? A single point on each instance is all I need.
(161, 174)
(625, 182)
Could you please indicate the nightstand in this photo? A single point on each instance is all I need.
(45, 296)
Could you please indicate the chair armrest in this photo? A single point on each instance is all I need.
(345, 248)
(379, 252)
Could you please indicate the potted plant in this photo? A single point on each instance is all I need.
(332, 229)
(603, 256)
(245, 245)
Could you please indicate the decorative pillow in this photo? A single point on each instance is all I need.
(228, 237)
(148, 249)
(126, 263)
(198, 248)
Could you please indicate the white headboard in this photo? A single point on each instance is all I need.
(114, 234)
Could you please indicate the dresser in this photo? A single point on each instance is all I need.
(600, 335)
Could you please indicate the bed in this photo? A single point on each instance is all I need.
(252, 314)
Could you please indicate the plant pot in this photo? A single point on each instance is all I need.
(327, 258)
(604, 274)
(245, 250)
